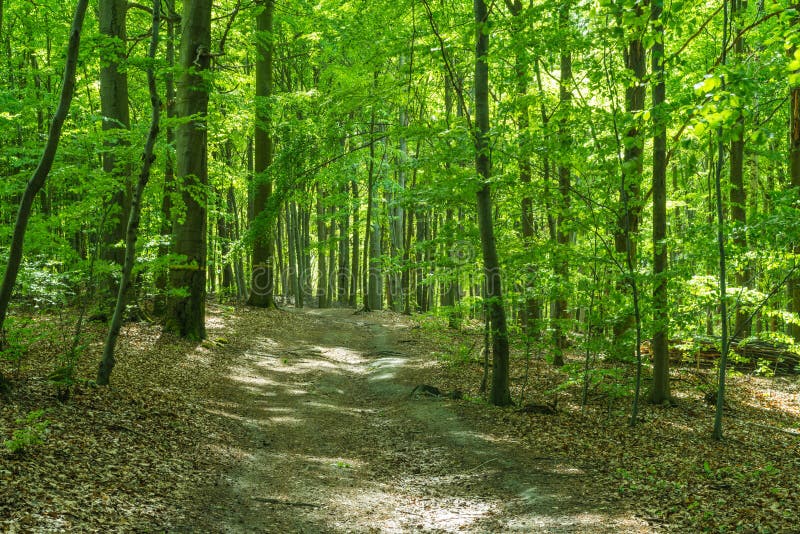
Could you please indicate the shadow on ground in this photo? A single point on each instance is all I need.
(329, 439)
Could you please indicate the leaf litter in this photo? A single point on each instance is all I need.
(289, 421)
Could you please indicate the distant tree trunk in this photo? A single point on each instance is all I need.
(561, 263)
(162, 279)
(107, 362)
(631, 171)
(500, 394)
(531, 312)
(293, 287)
(355, 255)
(661, 388)
(322, 269)
(342, 279)
(187, 312)
(794, 174)
(422, 284)
(372, 246)
(39, 176)
(238, 267)
(738, 195)
(298, 254)
(224, 234)
(262, 281)
(281, 262)
(396, 216)
(114, 108)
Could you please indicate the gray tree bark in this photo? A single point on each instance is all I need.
(499, 394)
(186, 311)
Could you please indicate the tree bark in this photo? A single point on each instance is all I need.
(107, 361)
(162, 279)
(629, 193)
(794, 176)
(39, 176)
(499, 394)
(186, 314)
(262, 280)
(661, 387)
(738, 194)
(114, 108)
(561, 263)
(355, 255)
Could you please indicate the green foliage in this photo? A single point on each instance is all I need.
(32, 433)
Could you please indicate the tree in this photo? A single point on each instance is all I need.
(661, 389)
(263, 276)
(131, 233)
(116, 117)
(794, 167)
(45, 162)
(186, 306)
(499, 394)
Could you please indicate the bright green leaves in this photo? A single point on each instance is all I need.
(708, 85)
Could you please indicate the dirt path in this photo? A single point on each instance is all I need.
(329, 439)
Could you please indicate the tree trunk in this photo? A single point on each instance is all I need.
(561, 263)
(500, 394)
(186, 315)
(162, 279)
(738, 195)
(39, 176)
(661, 388)
(342, 279)
(631, 169)
(355, 255)
(794, 174)
(262, 278)
(114, 108)
(322, 269)
(107, 362)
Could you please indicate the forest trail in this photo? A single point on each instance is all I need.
(329, 439)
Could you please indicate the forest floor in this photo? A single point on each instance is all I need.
(304, 421)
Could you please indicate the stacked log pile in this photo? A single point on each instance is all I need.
(703, 352)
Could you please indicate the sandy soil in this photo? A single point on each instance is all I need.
(324, 435)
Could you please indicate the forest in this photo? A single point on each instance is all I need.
(569, 226)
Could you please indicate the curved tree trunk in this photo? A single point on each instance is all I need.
(39, 176)
(107, 362)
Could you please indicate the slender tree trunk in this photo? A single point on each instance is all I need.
(738, 195)
(262, 280)
(342, 278)
(794, 176)
(500, 394)
(162, 279)
(39, 176)
(661, 388)
(396, 216)
(322, 270)
(293, 286)
(561, 264)
(629, 193)
(107, 362)
(238, 267)
(187, 311)
(353, 300)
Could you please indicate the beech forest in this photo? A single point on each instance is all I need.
(400, 266)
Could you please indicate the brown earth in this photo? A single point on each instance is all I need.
(322, 434)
